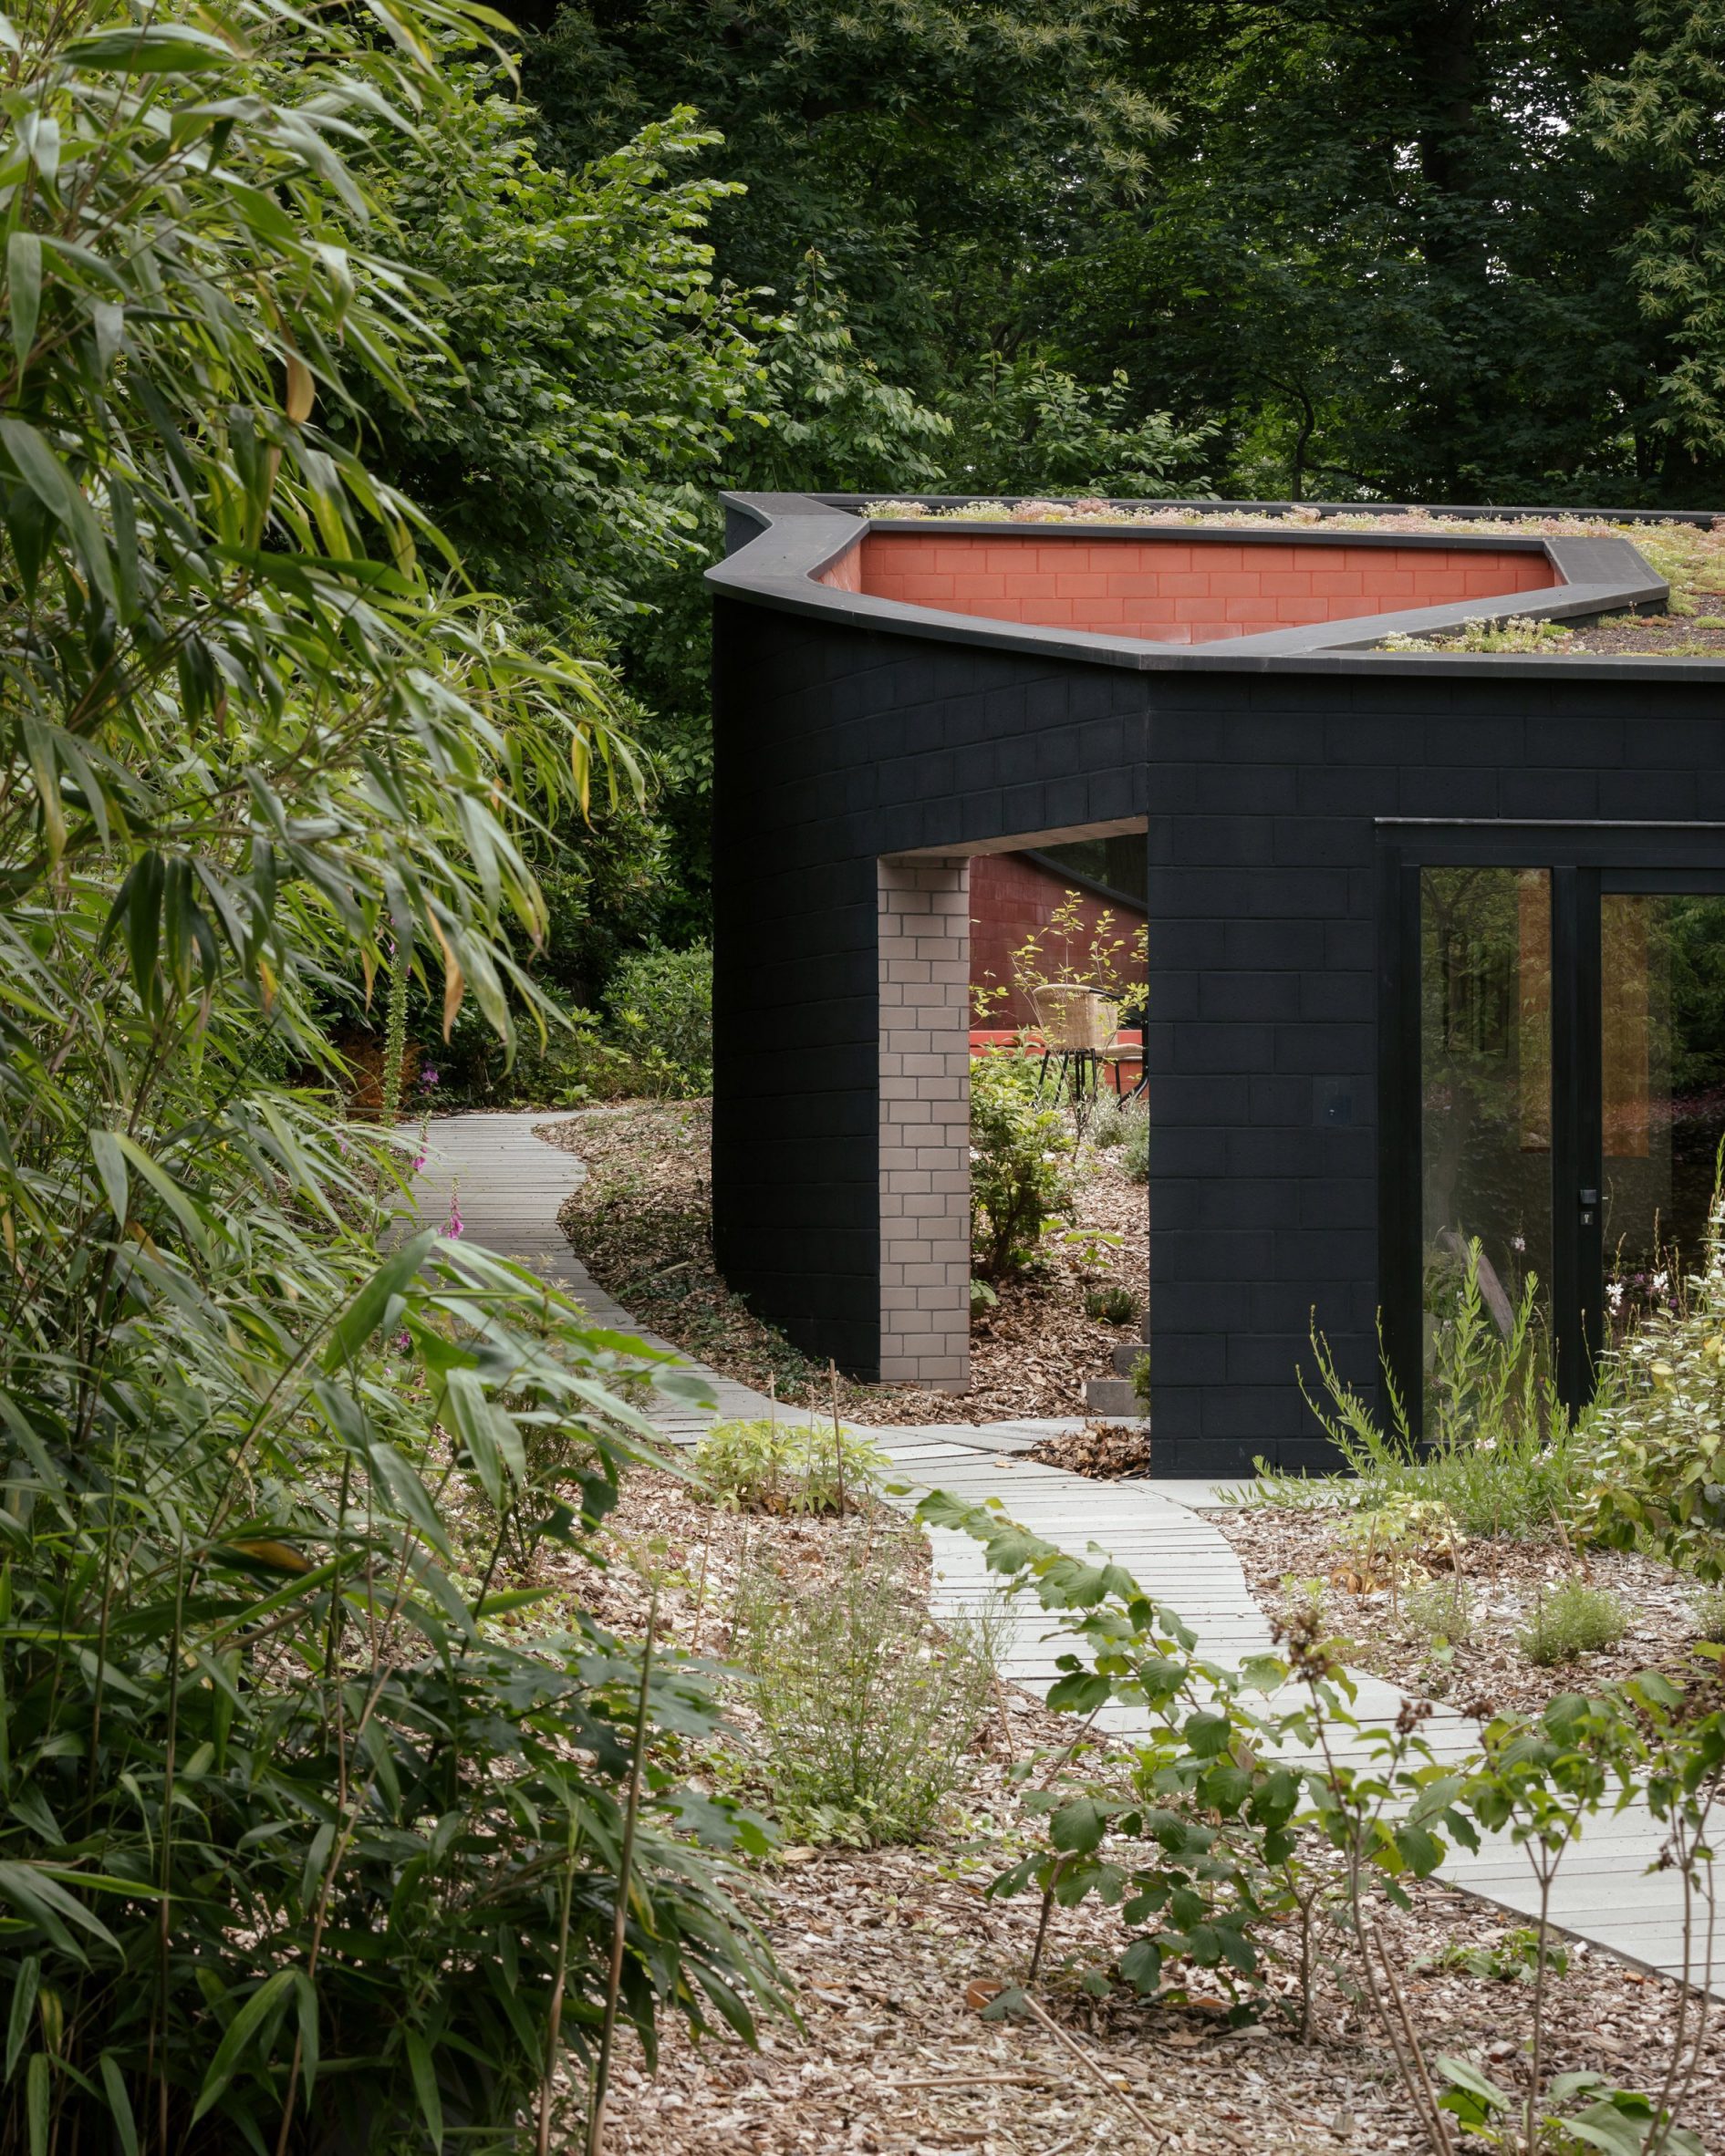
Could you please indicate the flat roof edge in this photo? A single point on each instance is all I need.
(796, 537)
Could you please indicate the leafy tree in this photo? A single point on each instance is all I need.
(1024, 427)
(297, 1849)
(828, 422)
(1384, 244)
(825, 420)
(599, 376)
(1664, 117)
(936, 152)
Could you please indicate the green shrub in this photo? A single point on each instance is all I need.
(866, 1717)
(1656, 1432)
(1112, 1305)
(661, 1003)
(773, 1467)
(1516, 1958)
(1572, 1620)
(982, 1297)
(1019, 1150)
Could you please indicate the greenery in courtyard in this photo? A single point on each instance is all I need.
(1020, 1144)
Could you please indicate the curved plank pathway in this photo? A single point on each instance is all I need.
(509, 1187)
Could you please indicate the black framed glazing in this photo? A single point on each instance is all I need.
(1584, 861)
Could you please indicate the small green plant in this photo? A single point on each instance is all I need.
(1572, 1620)
(1019, 1151)
(1112, 1305)
(1589, 2114)
(1134, 1148)
(1087, 1248)
(1441, 1610)
(1399, 1540)
(1510, 634)
(773, 1467)
(1141, 1381)
(1515, 1958)
(982, 1297)
(1111, 1122)
(866, 1714)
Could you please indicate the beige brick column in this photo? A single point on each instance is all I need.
(925, 1122)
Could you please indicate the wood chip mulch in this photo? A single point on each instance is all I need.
(893, 1952)
(1289, 1555)
(1104, 1451)
(643, 1225)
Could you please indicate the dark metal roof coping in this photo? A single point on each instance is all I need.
(781, 543)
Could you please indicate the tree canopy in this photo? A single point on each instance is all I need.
(1458, 249)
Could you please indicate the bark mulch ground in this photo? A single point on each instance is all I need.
(1292, 1557)
(643, 1225)
(893, 1952)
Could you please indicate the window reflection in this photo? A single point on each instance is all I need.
(1485, 1085)
(1662, 1073)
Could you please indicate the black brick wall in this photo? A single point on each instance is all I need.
(1262, 790)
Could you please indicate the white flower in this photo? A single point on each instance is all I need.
(1518, 1242)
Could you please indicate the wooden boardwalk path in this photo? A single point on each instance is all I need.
(509, 1185)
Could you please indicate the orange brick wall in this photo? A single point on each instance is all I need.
(1172, 590)
(1011, 897)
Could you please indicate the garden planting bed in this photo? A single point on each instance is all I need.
(1293, 1558)
(892, 1953)
(643, 1225)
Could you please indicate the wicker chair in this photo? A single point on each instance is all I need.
(1079, 1025)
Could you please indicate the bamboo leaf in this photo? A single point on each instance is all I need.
(110, 1165)
(365, 1312)
(39, 1896)
(65, 501)
(425, 2088)
(24, 292)
(36, 2101)
(25, 1986)
(266, 2001)
(119, 2104)
(153, 48)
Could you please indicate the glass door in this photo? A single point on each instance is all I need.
(1661, 1091)
(1555, 1090)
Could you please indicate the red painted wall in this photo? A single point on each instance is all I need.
(1170, 590)
(1010, 898)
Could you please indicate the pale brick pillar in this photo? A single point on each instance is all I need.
(925, 1122)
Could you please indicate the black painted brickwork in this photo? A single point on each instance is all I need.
(1261, 791)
